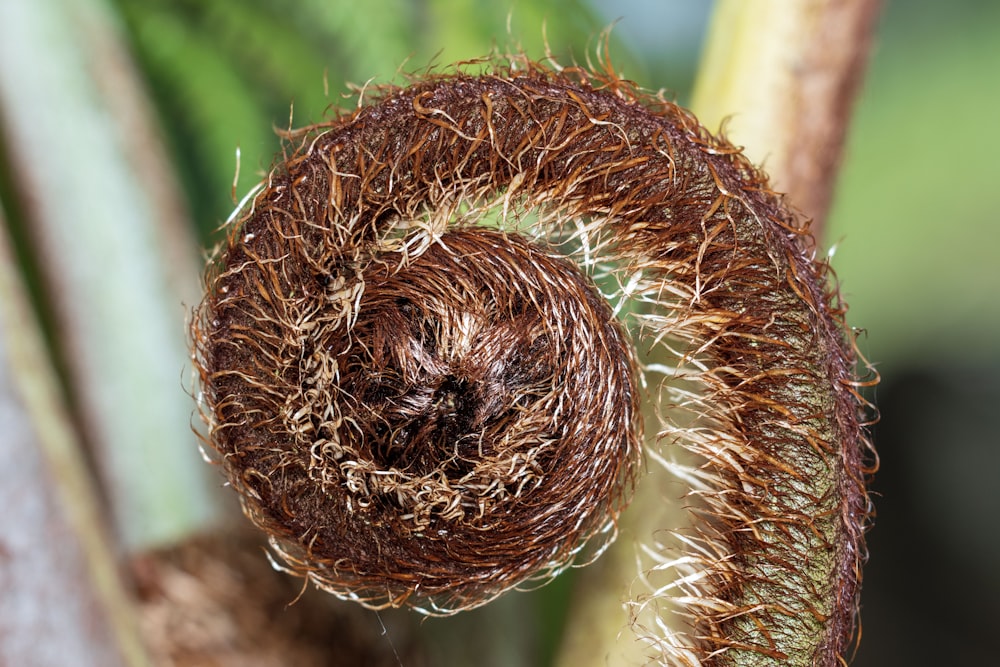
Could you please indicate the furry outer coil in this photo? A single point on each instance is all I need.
(417, 360)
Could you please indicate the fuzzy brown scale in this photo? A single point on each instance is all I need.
(362, 411)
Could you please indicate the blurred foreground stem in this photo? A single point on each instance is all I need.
(103, 220)
(61, 597)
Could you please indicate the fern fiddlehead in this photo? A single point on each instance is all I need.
(421, 353)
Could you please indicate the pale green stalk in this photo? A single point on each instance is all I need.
(780, 78)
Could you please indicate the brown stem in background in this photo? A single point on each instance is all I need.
(214, 600)
(423, 411)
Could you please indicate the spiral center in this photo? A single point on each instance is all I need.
(449, 351)
(456, 376)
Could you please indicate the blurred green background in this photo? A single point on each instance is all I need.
(915, 225)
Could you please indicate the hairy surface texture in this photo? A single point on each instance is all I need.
(418, 360)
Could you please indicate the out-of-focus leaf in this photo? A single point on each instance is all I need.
(372, 39)
(209, 109)
(463, 29)
(115, 255)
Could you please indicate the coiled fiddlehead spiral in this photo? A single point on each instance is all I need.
(418, 353)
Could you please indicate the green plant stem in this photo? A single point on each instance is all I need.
(598, 633)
